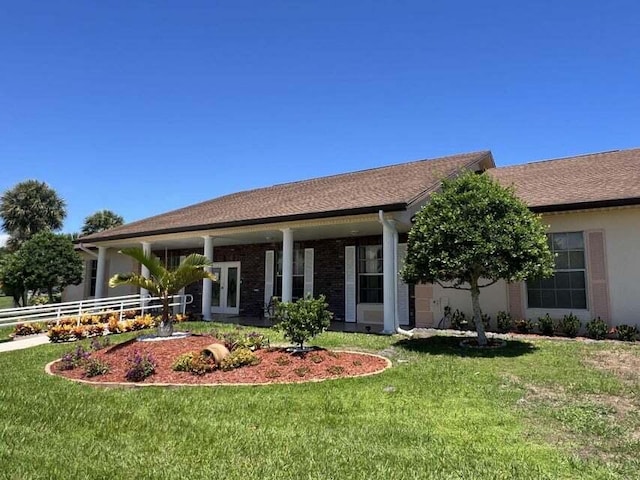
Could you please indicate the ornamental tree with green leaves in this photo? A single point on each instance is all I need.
(11, 278)
(303, 319)
(28, 208)
(49, 261)
(100, 221)
(473, 233)
(162, 282)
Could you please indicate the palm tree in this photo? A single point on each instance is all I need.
(28, 208)
(162, 282)
(100, 221)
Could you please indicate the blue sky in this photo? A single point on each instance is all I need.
(143, 107)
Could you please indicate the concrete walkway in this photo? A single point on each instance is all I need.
(31, 341)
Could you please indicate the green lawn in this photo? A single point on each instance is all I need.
(546, 410)
(6, 302)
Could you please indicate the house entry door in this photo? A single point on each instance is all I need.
(225, 297)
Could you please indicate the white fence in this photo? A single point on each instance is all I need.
(114, 305)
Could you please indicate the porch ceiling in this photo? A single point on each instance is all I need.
(355, 227)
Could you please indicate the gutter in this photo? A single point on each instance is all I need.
(86, 250)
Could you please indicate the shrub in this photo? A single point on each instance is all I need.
(316, 358)
(74, 358)
(99, 343)
(95, 367)
(282, 361)
(240, 357)
(255, 341)
(272, 374)
(22, 329)
(627, 333)
(504, 322)
(304, 319)
(459, 320)
(193, 362)
(335, 370)
(524, 325)
(301, 371)
(570, 325)
(357, 363)
(93, 330)
(546, 325)
(61, 333)
(597, 329)
(140, 367)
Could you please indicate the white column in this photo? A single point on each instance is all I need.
(100, 272)
(287, 265)
(389, 274)
(207, 284)
(146, 248)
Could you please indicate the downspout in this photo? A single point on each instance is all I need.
(389, 225)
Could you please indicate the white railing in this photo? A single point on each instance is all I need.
(117, 305)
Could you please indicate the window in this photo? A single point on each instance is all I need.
(567, 287)
(93, 275)
(370, 279)
(298, 274)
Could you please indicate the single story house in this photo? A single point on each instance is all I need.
(344, 236)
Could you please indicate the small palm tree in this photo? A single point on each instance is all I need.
(162, 282)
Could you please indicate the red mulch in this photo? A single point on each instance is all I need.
(271, 362)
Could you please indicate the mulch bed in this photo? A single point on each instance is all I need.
(276, 365)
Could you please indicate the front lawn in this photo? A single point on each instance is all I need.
(546, 409)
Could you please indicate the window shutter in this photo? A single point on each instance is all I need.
(515, 300)
(402, 293)
(350, 284)
(597, 272)
(308, 271)
(268, 276)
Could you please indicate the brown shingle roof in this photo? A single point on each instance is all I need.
(364, 191)
(576, 182)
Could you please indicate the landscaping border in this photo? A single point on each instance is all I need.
(388, 365)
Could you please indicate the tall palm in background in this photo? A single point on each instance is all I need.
(28, 208)
(100, 221)
(162, 282)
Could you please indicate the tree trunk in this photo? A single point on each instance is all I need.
(477, 312)
(50, 293)
(165, 329)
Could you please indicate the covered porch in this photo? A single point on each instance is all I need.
(352, 260)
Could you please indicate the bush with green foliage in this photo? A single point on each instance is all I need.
(94, 367)
(194, 362)
(597, 329)
(523, 325)
(627, 333)
(504, 322)
(473, 233)
(569, 325)
(241, 339)
(546, 325)
(240, 357)
(459, 320)
(302, 320)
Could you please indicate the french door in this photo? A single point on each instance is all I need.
(225, 297)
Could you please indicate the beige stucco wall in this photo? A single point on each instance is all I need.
(116, 263)
(621, 229)
(622, 243)
(431, 301)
